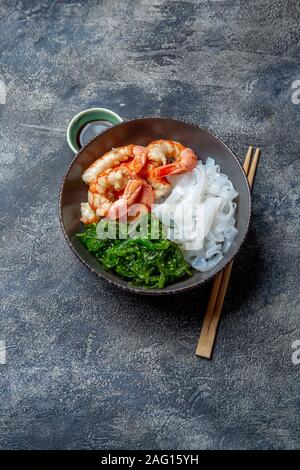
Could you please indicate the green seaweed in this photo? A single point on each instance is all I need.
(142, 257)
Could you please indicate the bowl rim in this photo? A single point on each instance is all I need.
(141, 290)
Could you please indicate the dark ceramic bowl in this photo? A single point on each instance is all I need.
(142, 132)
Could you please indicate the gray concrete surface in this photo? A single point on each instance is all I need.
(88, 366)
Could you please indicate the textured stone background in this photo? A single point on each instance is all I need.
(89, 366)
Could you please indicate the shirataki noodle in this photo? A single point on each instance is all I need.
(200, 214)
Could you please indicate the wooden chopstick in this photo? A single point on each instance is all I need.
(247, 161)
(215, 304)
(252, 171)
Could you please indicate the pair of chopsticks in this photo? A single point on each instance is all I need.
(215, 304)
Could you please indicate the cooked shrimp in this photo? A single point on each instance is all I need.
(112, 179)
(160, 185)
(105, 190)
(88, 215)
(147, 196)
(185, 161)
(136, 191)
(98, 202)
(117, 178)
(102, 191)
(140, 158)
(113, 158)
(133, 174)
(160, 150)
